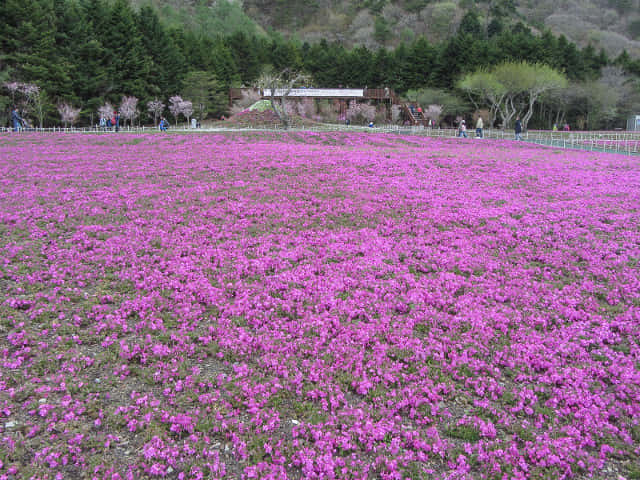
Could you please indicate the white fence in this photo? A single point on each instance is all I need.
(616, 142)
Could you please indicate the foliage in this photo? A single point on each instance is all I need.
(206, 92)
(450, 103)
(511, 89)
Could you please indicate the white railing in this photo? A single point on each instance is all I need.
(616, 142)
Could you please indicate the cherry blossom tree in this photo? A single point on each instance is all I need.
(33, 98)
(186, 108)
(178, 106)
(156, 107)
(175, 106)
(129, 108)
(68, 114)
(105, 111)
(360, 112)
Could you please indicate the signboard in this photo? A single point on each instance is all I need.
(318, 92)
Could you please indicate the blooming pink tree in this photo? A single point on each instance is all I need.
(360, 112)
(175, 106)
(186, 108)
(156, 107)
(306, 108)
(68, 114)
(129, 108)
(433, 112)
(178, 106)
(33, 98)
(105, 111)
(13, 87)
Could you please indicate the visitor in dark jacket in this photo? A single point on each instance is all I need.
(16, 120)
(518, 129)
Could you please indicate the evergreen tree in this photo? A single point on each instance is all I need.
(130, 65)
(471, 24)
(244, 50)
(167, 64)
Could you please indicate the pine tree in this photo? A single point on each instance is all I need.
(130, 71)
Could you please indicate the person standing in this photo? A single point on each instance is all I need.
(16, 120)
(116, 120)
(479, 127)
(518, 129)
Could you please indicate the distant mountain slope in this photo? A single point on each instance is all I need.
(610, 24)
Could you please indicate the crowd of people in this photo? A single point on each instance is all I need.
(107, 123)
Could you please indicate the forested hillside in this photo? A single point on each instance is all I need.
(613, 25)
(85, 53)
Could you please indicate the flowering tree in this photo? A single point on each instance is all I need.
(156, 107)
(433, 112)
(186, 108)
(175, 106)
(178, 106)
(105, 110)
(13, 87)
(360, 112)
(306, 107)
(68, 114)
(33, 98)
(129, 108)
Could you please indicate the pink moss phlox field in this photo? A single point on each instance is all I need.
(316, 306)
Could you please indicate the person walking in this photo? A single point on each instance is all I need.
(462, 130)
(163, 124)
(116, 114)
(518, 129)
(16, 120)
(479, 127)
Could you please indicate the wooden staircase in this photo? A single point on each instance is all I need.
(414, 116)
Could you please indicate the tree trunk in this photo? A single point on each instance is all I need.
(527, 116)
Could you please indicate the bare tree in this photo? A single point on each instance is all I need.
(156, 107)
(278, 86)
(129, 108)
(68, 114)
